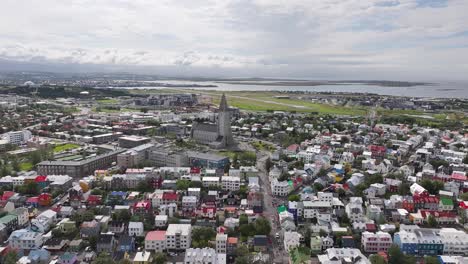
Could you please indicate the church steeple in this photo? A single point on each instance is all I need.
(223, 107)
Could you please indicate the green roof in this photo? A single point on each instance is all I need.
(7, 218)
(282, 208)
(446, 201)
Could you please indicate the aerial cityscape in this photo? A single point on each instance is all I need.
(234, 132)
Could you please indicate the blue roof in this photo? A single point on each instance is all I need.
(119, 193)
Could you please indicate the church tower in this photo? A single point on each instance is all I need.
(224, 122)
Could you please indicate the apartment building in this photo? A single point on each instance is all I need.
(376, 242)
(133, 157)
(230, 183)
(280, 188)
(221, 243)
(155, 241)
(18, 137)
(178, 236)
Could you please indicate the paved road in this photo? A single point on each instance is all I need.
(269, 211)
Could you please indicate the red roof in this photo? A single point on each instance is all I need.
(7, 195)
(33, 200)
(375, 148)
(170, 196)
(94, 198)
(293, 147)
(458, 176)
(156, 236)
(426, 199)
(41, 178)
(426, 213)
(143, 204)
(463, 204)
(371, 227)
(232, 240)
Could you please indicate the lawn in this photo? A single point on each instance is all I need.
(107, 101)
(65, 147)
(275, 104)
(25, 166)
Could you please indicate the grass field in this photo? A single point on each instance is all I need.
(264, 101)
(64, 147)
(261, 101)
(25, 166)
(107, 101)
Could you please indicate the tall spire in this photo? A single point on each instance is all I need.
(223, 107)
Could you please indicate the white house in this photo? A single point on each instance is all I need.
(291, 240)
(354, 209)
(24, 239)
(160, 221)
(135, 229)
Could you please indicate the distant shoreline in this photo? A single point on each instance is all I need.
(317, 83)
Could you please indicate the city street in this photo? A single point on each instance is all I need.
(278, 255)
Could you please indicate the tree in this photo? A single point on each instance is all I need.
(294, 198)
(465, 160)
(318, 187)
(182, 185)
(143, 187)
(202, 236)
(35, 157)
(15, 165)
(377, 259)
(125, 261)
(235, 161)
(159, 258)
(395, 255)
(433, 187)
(322, 172)
(243, 220)
(432, 221)
(464, 196)
(103, 258)
(283, 177)
(243, 190)
(431, 260)
(262, 226)
(10, 257)
(247, 230)
(404, 189)
(268, 164)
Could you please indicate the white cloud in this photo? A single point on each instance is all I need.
(294, 37)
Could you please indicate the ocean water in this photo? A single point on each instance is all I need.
(437, 90)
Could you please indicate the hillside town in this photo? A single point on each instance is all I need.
(185, 178)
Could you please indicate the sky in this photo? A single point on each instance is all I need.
(317, 39)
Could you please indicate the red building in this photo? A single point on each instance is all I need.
(94, 200)
(142, 207)
(408, 204)
(170, 197)
(45, 199)
(378, 152)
